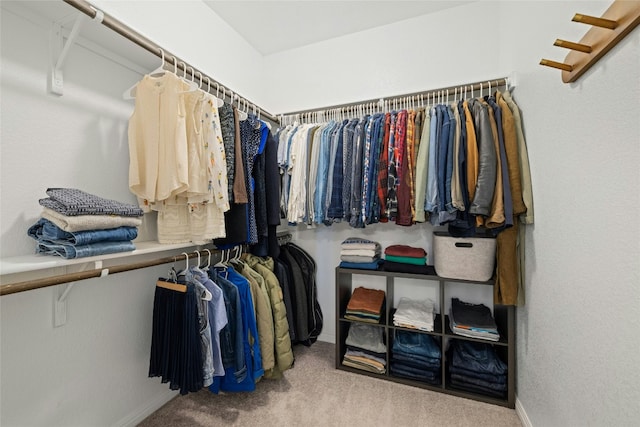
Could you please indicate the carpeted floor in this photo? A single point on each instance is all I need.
(314, 393)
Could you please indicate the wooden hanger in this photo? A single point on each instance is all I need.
(172, 286)
(161, 283)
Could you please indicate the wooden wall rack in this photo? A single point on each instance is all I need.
(614, 25)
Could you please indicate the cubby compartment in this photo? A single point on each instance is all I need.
(440, 290)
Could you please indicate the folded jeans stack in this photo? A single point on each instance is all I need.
(477, 368)
(365, 348)
(365, 305)
(472, 320)
(406, 259)
(75, 224)
(360, 253)
(416, 356)
(415, 314)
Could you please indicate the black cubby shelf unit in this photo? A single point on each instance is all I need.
(503, 315)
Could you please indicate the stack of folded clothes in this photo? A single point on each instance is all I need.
(76, 224)
(406, 259)
(360, 253)
(477, 368)
(472, 320)
(415, 314)
(366, 349)
(416, 356)
(365, 305)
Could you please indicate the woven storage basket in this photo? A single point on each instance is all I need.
(466, 258)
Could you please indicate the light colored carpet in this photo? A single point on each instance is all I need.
(314, 393)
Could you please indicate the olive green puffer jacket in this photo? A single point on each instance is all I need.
(284, 353)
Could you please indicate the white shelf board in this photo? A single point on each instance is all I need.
(35, 262)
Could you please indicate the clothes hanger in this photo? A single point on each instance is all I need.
(186, 264)
(206, 294)
(218, 100)
(193, 86)
(200, 83)
(130, 93)
(208, 260)
(235, 258)
(221, 263)
(172, 285)
(242, 115)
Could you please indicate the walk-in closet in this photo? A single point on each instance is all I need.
(319, 213)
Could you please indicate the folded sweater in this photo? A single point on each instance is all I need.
(404, 250)
(406, 259)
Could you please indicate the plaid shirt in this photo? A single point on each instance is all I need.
(383, 171)
(411, 158)
(392, 180)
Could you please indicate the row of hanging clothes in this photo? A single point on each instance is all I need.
(226, 326)
(204, 165)
(461, 163)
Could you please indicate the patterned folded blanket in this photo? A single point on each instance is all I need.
(71, 202)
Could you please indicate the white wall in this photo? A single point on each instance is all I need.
(577, 349)
(199, 36)
(430, 51)
(408, 56)
(577, 339)
(93, 370)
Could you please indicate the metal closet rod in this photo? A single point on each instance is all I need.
(494, 83)
(137, 38)
(30, 285)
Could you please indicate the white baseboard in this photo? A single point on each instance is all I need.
(327, 337)
(524, 419)
(143, 412)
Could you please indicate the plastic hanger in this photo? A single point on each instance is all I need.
(130, 93)
(206, 294)
(208, 260)
(233, 259)
(221, 263)
(186, 264)
(192, 85)
(220, 102)
(200, 87)
(242, 115)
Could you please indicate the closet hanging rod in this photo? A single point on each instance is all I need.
(137, 38)
(29, 285)
(494, 83)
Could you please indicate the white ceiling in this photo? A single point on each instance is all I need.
(274, 26)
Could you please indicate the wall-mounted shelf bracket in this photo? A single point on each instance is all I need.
(60, 298)
(60, 49)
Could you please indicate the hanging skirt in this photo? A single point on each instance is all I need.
(176, 354)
